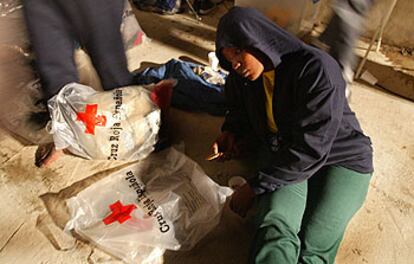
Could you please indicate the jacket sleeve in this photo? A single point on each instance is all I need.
(319, 110)
(236, 120)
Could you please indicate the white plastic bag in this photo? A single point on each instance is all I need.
(121, 124)
(165, 201)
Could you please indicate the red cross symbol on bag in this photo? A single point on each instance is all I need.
(90, 119)
(120, 213)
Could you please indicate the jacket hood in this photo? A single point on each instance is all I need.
(248, 28)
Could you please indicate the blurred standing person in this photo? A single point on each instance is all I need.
(342, 32)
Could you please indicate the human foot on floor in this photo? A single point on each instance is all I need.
(46, 154)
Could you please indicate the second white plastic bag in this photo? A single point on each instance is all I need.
(165, 201)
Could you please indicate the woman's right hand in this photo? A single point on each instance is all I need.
(225, 146)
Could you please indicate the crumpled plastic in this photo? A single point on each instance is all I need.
(211, 76)
(163, 202)
(121, 124)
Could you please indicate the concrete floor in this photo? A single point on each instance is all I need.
(32, 199)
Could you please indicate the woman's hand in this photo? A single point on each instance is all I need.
(225, 147)
(242, 200)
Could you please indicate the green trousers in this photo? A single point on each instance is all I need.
(305, 222)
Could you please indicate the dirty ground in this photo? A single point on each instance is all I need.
(32, 199)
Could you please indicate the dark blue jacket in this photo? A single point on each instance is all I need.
(316, 127)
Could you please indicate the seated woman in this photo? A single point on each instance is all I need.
(315, 163)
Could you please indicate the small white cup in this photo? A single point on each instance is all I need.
(236, 182)
(213, 61)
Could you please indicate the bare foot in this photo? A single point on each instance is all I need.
(47, 154)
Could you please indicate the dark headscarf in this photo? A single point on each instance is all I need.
(248, 28)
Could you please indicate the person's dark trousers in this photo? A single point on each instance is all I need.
(305, 222)
(55, 25)
(344, 28)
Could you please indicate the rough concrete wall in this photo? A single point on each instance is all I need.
(399, 30)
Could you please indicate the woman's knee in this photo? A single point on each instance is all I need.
(276, 241)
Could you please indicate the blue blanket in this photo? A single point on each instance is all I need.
(192, 92)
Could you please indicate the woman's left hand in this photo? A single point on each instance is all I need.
(242, 200)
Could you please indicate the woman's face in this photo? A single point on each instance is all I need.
(243, 62)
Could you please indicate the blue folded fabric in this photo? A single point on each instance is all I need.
(192, 92)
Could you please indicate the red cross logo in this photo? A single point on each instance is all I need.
(120, 213)
(90, 119)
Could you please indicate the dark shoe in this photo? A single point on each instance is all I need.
(204, 7)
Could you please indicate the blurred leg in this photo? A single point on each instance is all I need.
(53, 42)
(344, 29)
(97, 23)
